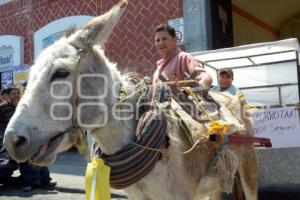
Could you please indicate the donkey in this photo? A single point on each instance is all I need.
(74, 78)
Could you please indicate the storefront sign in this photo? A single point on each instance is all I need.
(20, 75)
(178, 25)
(6, 56)
(11, 52)
(282, 125)
(6, 79)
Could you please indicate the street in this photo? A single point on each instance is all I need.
(68, 171)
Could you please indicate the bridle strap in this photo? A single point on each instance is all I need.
(74, 98)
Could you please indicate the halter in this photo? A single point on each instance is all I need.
(75, 87)
(75, 126)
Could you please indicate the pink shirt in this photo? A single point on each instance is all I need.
(177, 65)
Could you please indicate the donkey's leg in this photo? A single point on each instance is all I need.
(237, 190)
(216, 196)
(208, 186)
(136, 195)
(248, 172)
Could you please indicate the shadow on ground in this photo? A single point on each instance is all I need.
(13, 187)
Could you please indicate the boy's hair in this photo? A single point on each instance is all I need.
(11, 88)
(166, 27)
(4, 91)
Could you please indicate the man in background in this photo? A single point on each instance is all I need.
(4, 95)
(32, 176)
(7, 109)
(175, 64)
(225, 79)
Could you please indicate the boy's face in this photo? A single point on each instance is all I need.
(164, 43)
(14, 97)
(225, 81)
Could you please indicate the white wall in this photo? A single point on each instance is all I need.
(17, 44)
(56, 27)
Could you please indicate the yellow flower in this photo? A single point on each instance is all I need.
(217, 127)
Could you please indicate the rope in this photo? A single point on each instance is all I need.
(144, 87)
(195, 144)
(149, 148)
(201, 140)
(190, 92)
(182, 81)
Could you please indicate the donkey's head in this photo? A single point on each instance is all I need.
(70, 78)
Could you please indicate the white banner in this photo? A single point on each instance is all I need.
(281, 125)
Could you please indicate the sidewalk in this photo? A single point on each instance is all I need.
(69, 171)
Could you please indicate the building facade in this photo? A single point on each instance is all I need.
(131, 44)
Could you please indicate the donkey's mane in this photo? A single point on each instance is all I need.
(69, 31)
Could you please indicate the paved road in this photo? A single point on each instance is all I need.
(68, 171)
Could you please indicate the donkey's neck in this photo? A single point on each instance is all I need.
(120, 127)
(114, 136)
(119, 130)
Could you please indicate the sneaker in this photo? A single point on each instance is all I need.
(27, 188)
(49, 184)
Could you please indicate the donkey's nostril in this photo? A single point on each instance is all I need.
(19, 141)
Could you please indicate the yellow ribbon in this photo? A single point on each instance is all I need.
(97, 180)
(217, 127)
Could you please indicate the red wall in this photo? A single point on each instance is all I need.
(130, 45)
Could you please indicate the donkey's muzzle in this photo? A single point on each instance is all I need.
(17, 145)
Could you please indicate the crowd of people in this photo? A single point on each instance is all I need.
(31, 176)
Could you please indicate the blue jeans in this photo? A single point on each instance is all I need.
(34, 175)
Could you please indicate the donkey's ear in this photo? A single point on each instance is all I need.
(97, 30)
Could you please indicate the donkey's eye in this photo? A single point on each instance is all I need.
(60, 73)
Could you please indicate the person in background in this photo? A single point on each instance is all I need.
(4, 95)
(32, 176)
(8, 106)
(225, 79)
(35, 176)
(175, 64)
(7, 165)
